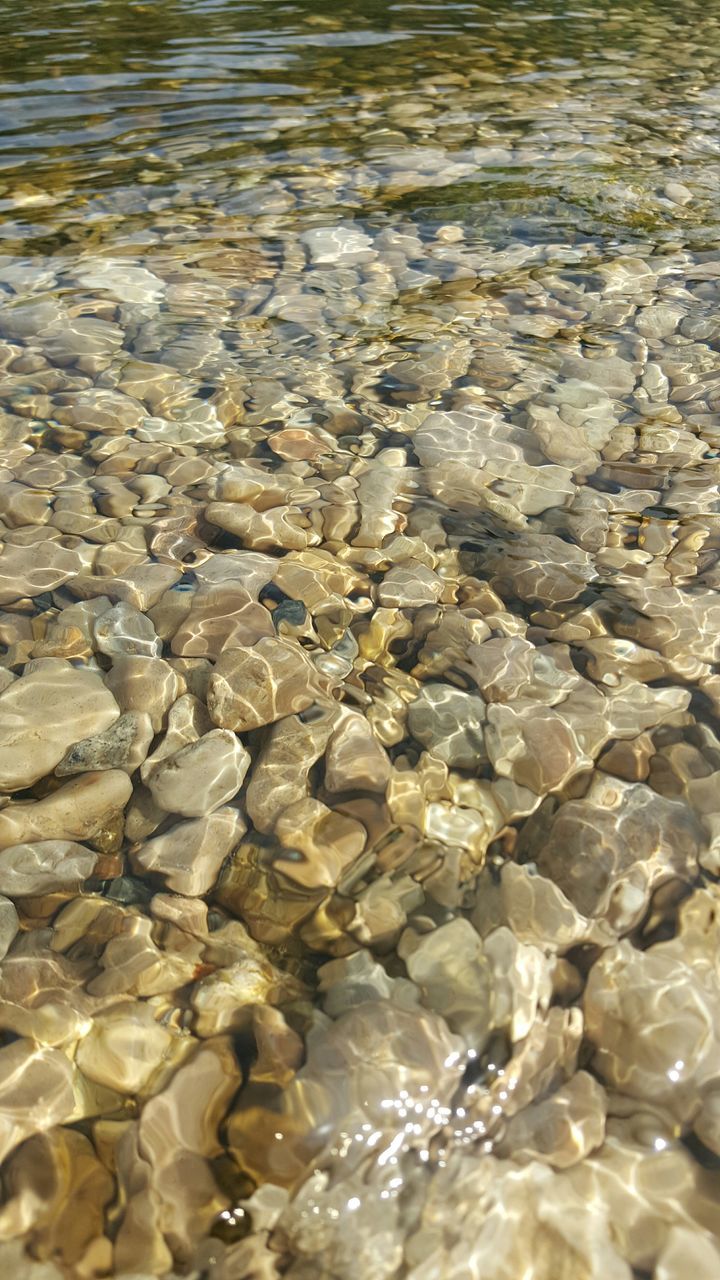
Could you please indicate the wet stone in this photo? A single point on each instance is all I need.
(123, 629)
(201, 776)
(37, 728)
(45, 865)
(450, 724)
(610, 849)
(254, 686)
(8, 925)
(123, 746)
(84, 808)
(189, 856)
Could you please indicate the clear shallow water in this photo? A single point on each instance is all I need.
(359, 619)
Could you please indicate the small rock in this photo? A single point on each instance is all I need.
(48, 866)
(125, 1048)
(50, 707)
(252, 687)
(189, 856)
(409, 586)
(326, 842)
(355, 760)
(28, 1072)
(81, 810)
(124, 630)
(145, 684)
(678, 193)
(611, 374)
(343, 244)
(123, 746)
(202, 776)
(9, 925)
(450, 724)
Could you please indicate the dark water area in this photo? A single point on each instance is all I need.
(359, 641)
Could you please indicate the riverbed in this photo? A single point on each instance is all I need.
(359, 640)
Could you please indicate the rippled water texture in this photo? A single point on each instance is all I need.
(360, 640)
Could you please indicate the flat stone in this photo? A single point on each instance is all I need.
(43, 713)
(123, 629)
(450, 724)
(321, 844)
(344, 243)
(409, 586)
(23, 573)
(611, 374)
(28, 1072)
(652, 1020)
(124, 1048)
(202, 776)
(560, 1130)
(222, 616)
(43, 1177)
(450, 967)
(84, 341)
(609, 850)
(140, 585)
(187, 720)
(9, 925)
(81, 810)
(539, 747)
(98, 409)
(145, 684)
(124, 281)
(252, 687)
(223, 1000)
(281, 773)
(355, 760)
(189, 856)
(163, 1162)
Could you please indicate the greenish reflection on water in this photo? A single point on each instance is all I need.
(106, 107)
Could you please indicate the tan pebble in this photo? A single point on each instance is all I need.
(140, 585)
(189, 856)
(145, 684)
(43, 713)
(252, 687)
(29, 1072)
(81, 810)
(297, 443)
(355, 760)
(29, 870)
(202, 776)
(21, 505)
(44, 1176)
(677, 192)
(221, 616)
(124, 1048)
(142, 816)
(23, 573)
(259, 489)
(263, 530)
(125, 630)
(187, 721)
(166, 1178)
(326, 842)
(223, 1000)
(409, 586)
(280, 775)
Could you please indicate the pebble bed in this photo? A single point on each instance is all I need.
(360, 655)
